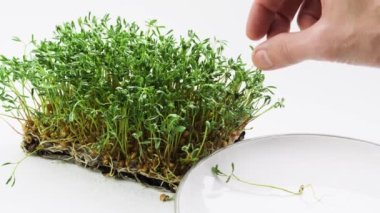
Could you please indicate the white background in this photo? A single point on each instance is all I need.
(320, 97)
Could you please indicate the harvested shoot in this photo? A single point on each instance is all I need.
(130, 101)
(232, 176)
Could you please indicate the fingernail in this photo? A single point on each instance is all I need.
(262, 60)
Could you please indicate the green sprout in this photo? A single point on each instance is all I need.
(139, 101)
(12, 178)
(232, 176)
(11, 181)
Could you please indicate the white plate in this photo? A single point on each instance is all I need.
(344, 173)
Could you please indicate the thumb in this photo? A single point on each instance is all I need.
(286, 49)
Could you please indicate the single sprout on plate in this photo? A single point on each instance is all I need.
(232, 176)
(128, 101)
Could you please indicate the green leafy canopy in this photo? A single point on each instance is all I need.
(124, 91)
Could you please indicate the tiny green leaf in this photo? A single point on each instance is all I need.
(6, 164)
(208, 124)
(228, 178)
(215, 170)
(16, 39)
(180, 129)
(137, 135)
(9, 180)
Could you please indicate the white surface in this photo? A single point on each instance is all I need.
(344, 175)
(320, 98)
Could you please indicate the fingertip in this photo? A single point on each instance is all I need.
(253, 35)
(254, 31)
(285, 49)
(259, 21)
(261, 59)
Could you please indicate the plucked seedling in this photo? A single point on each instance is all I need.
(12, 178)
(130, 102)
(232, 176)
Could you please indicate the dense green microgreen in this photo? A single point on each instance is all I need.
(133, 99)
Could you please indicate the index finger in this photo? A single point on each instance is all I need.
(261, 17)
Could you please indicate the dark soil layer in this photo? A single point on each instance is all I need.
(80, 157)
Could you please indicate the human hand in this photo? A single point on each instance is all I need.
(346, 31)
